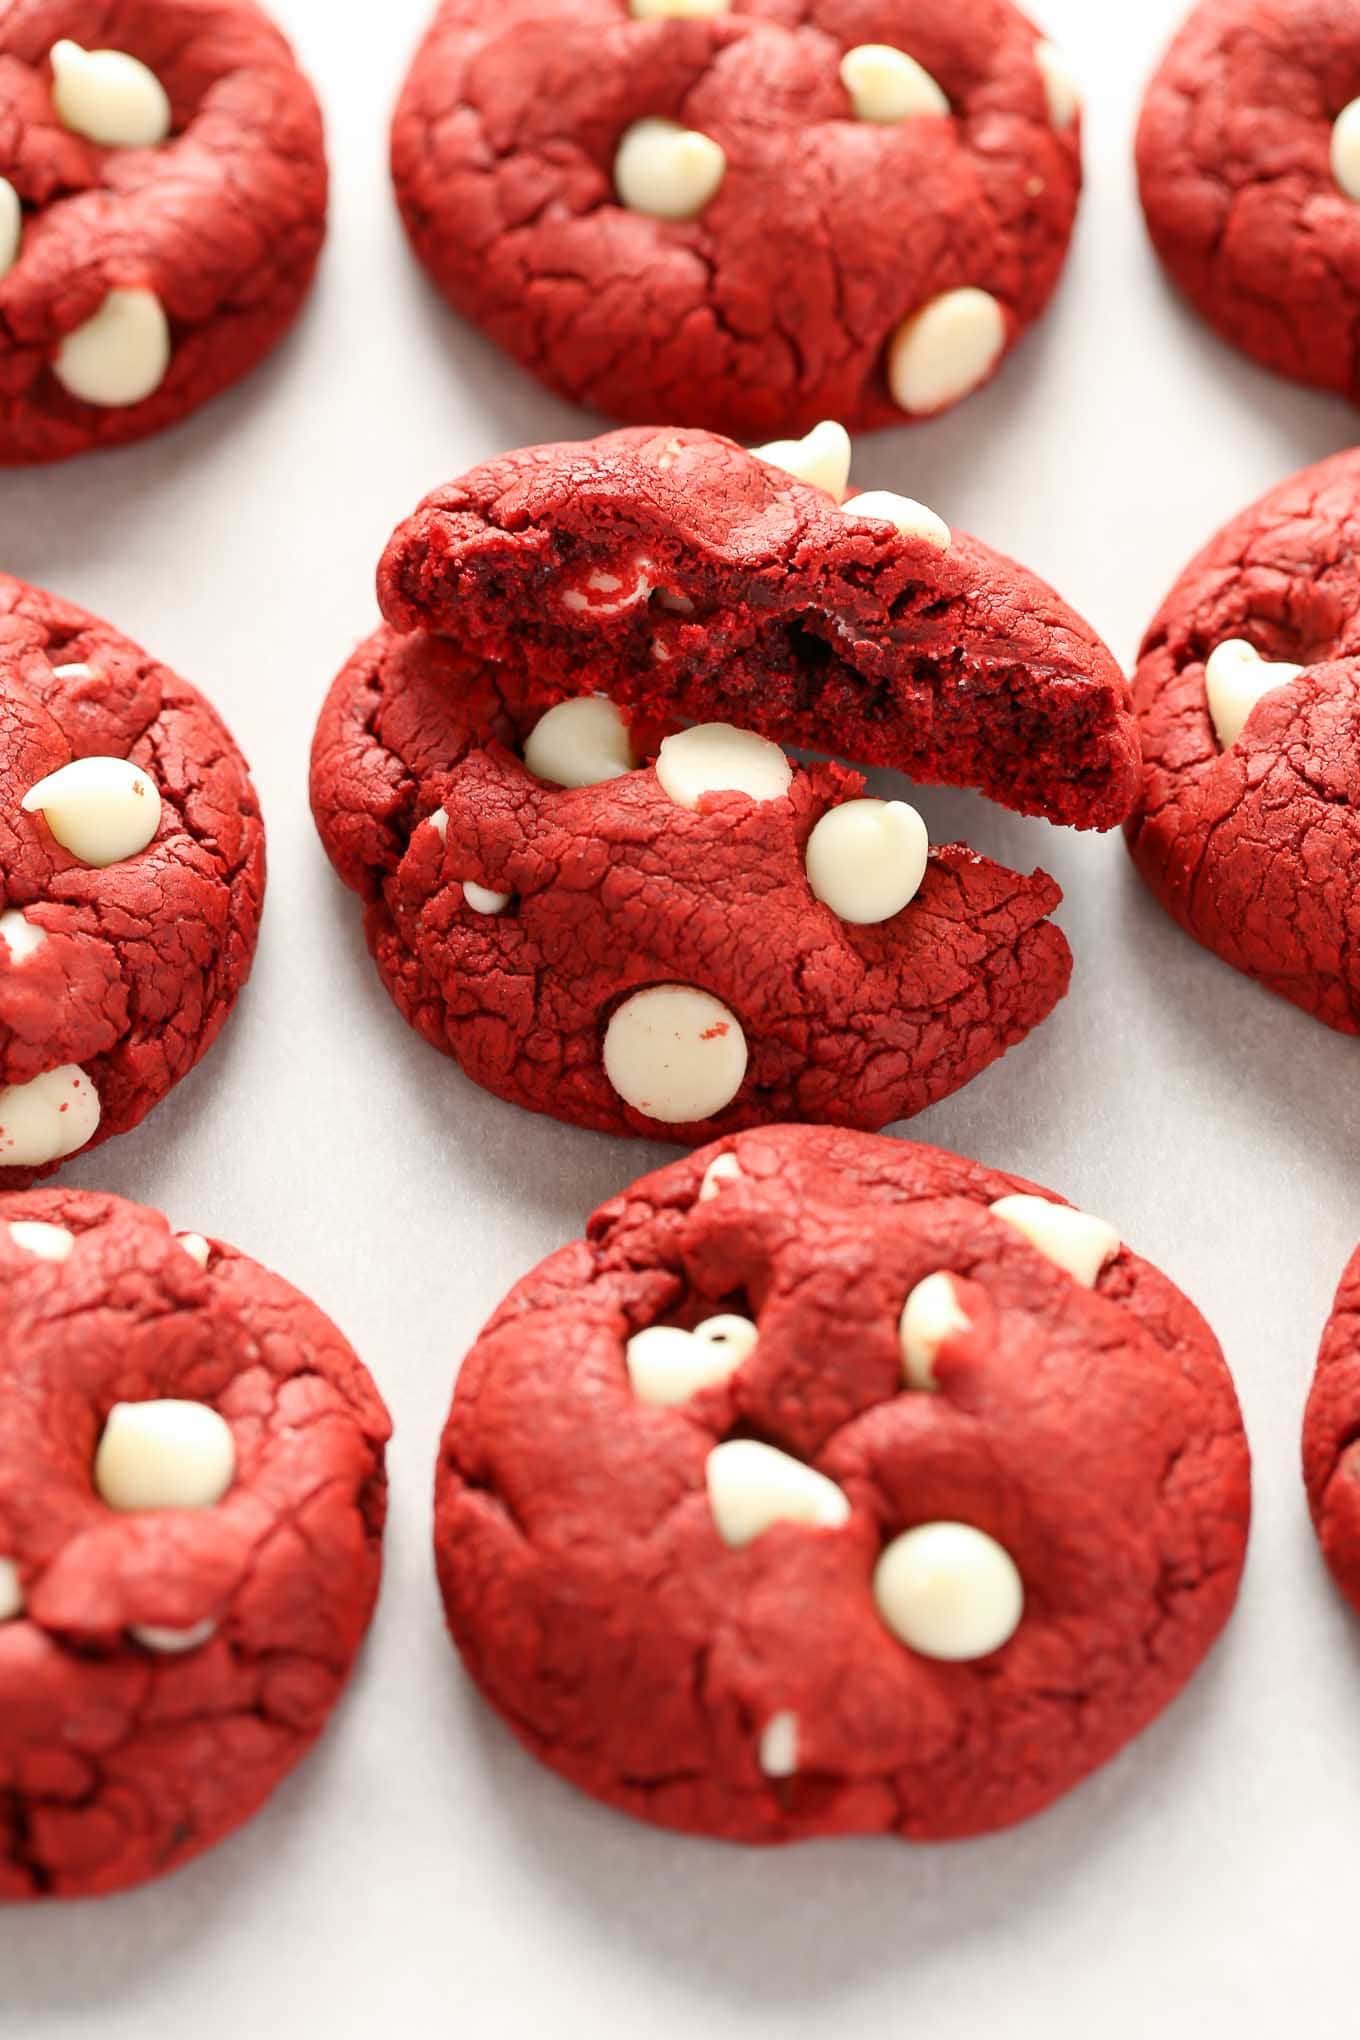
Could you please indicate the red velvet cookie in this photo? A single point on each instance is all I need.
(746, 217)
(835, 1485)
(191, 1510)
(162, 208)
(1248, 695)
(1331, 1438)
(131, 881)
(681, 934)
(1249, 164)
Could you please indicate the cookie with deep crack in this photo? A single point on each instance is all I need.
(747, 218)
(192, 1498)
(132, 870)
(836, 1485)
(162, 207)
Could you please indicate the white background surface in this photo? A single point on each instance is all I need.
(420, 1875)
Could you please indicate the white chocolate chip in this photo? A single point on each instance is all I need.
(482, 900)
(676, 10)
(722, 1169)
(821, 458)
(606, 594)
(45, 1242)
(11, 1592)
(1235, 678)
(172, 1641)
(949, 1591)
(885, 84)
(675, 1053)
(945, 350)
(47, 1118)
(100, 809)
(1070, 1239)
(11, 226)
(119, 356)
(866, 859)
(779, 1746)
(667, 1365)
(109, 97)
(1346, 149)
(195, 1246)
(1060, 86)
(666, 170)
(81, 672)
(930, 1315)
(717, 758)
(751, 1486)
(580, 743)
(439, 822)
(912, 519)
(164, 1455)
(20, 936)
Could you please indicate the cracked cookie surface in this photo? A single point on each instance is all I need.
(1331, 1438)
(748, 1677)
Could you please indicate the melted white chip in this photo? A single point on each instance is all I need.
(722, 1169)
(718, 758)
(47, 1118)
(666, 170)
(1070, 1239)
(1346, 149)
(482, 900)
(930, 1315)
(779, 1746)
(11, 226)
(606, 594)
(20, 936)
(195, 1246)
(100, 809)
(109, 97)
(949, 1591)
(1060, 86)
(885, 84)
(667, 1365)
(1235, 678)
(676, 10)
(751, 1486)
(45, 1242)
(11, 1592)
(164, 1455)
(120, 355)
(580, 743)
(866, 859)
(439, 822)
(675, 1053)
(821, 458)
(945, 350)
(912, 519)
(172, 1641)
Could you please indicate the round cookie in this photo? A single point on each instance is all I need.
(1248, 698)
(133, 862)
(746, 217)
(766, 1510)
(1331, 1438)
(1249, 165)
(162, 207)
(191, 1510)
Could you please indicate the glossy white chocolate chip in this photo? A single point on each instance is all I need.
(119, 356)
(1235, 678)
(47, 1118)
(172, 1642)
(11, 226)
(109, 97)
(885, 84)
(667, 1365)
(866, 859)
(11, 1592)
(752, 1486)
(666, 170)
(100, 809)
(722, 1169)
(439, 822)
(1346, 149)
(676, 10)
(164, 1454)
(945, 350)
(904, 513)
(80, 672)
(1070, 1239)
(1060, 86)
(20, 936)
(779, 1746)
(821, 458)
(675, 1053)
(195, 1246)
(482, 900)
(44, 1242)
(949, 1591)
(580, 743)
(930, 1315)
(718, 758)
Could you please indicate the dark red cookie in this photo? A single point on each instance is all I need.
(114, 977)
(751, 218)
(920, 1531)
(686, 578)
(1331, 1438)
(191, 1509)
(1248, 696)
(1249, 165)
(162, 208)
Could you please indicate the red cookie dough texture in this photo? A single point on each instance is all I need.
(1331, 1438)
(162, 208)
(1249, 164)
(1248, 697)
(808, 1495)
(553, 921)
(747, 218)
(132, 871)
(191, 1510)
